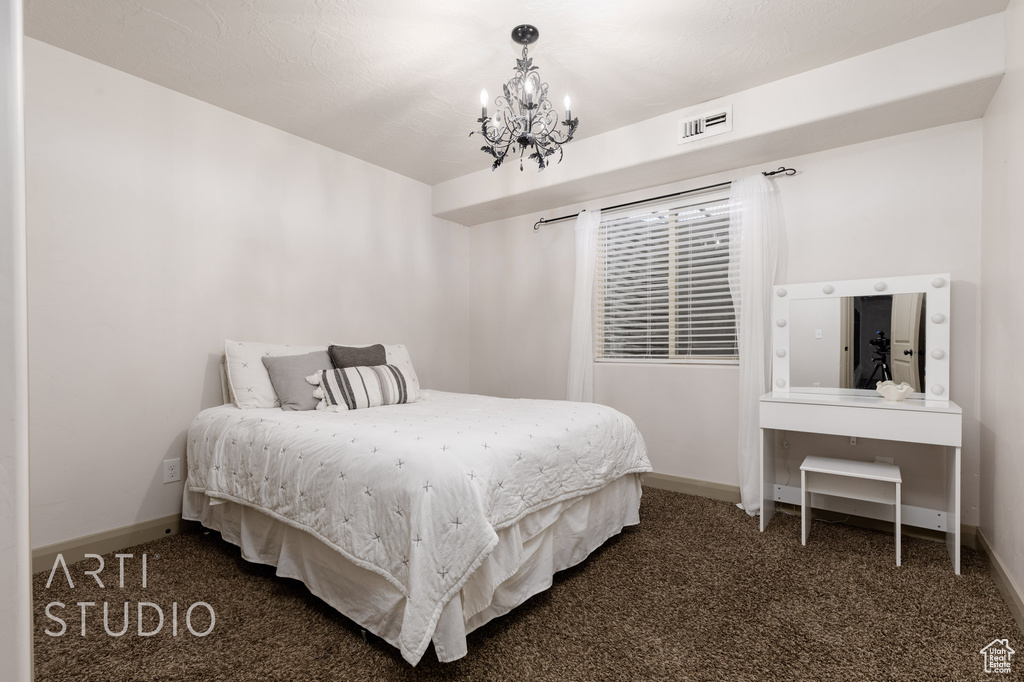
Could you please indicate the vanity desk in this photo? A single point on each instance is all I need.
(833, 340)
(910, 421)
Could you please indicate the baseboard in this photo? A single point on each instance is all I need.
(731, 493)
(1011, 593)
(105, 542)
(968, 534)
(690, 486)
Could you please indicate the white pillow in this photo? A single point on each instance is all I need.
(398, 355)
(248, 377)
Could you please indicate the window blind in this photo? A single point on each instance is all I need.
(662, 282)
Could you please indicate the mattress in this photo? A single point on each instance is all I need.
(420, 494)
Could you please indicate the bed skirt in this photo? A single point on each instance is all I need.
(523, 563)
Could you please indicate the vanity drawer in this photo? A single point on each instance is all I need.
(900, 421)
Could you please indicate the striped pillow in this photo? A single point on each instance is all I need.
(353, 388)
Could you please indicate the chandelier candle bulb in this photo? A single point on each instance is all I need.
(483, 104)
(568, 105)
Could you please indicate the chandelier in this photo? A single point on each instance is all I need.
(525, 117)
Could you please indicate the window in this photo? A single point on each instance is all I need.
(662, 282)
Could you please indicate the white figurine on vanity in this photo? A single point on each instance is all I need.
(893, 392)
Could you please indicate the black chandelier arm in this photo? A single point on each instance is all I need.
(548, 119)
(549, 143)
(566, 136)
(492, 139)
(499, 134)
(498, 137)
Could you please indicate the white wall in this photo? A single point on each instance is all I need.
(903, 205)
(1002, 312)
(815, 359)
(159, 226)
(15, 567)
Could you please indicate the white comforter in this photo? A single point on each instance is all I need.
(412, 492)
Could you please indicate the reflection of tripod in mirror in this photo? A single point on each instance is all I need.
(881, 351)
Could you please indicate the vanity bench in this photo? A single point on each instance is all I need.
(868, 481)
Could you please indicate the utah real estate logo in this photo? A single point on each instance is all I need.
(998, 656)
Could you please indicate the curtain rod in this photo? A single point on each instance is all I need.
(544, 221)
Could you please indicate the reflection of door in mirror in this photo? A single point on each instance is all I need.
(846, 343)
(906, 331)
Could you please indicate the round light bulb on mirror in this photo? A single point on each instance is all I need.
(781, 292)
(938, 318)
(938, 389)
(881, 286)
(781, 322)
(781, 383)
(938, 282)
(781, 353)
(828, 288)
(938, 353)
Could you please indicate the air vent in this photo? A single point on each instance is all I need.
(707, 125)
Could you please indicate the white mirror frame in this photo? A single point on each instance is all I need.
(937, 288)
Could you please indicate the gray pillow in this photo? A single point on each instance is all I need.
(365, 356)
(288, 375)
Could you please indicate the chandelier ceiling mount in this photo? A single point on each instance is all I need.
(524, 34)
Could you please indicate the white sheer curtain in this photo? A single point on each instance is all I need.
(580, 385)
(755, 228)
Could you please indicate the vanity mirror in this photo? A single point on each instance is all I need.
(843, 337)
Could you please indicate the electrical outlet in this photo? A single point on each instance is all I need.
(817, 334)
(885, 460)
(853, 440)
(172, 470)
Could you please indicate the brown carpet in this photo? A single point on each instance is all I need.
(693, 593)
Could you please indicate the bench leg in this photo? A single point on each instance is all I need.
(899, 531)
(805, 520)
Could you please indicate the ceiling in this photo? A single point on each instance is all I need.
(397, 82)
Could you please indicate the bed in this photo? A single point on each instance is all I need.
(423, 521)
